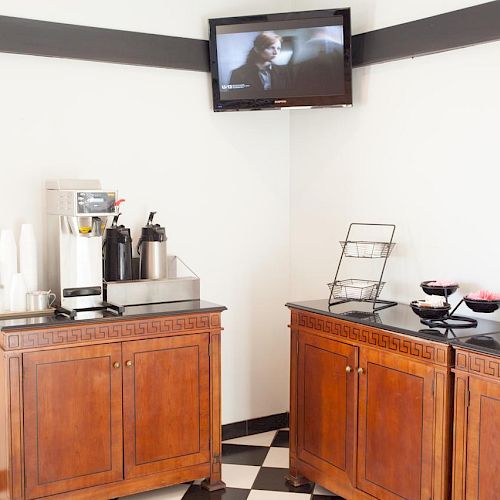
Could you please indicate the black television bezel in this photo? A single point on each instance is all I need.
(277, 102)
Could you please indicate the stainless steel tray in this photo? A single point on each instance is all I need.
(26, 314)
(182, 284)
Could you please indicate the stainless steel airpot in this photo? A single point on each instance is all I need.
(152, 250)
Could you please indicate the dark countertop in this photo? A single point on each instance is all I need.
(486, 344)
(130, 312)
(485, 337)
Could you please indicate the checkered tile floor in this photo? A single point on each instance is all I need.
(253, 468)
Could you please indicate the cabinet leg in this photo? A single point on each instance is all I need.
(213, 484)
(296, 480)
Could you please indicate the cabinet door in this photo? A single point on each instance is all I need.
(326, 405)
(165, 403)
(72, 418)
(395, 427)
(483, 438)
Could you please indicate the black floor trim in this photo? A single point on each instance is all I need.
(255, 426)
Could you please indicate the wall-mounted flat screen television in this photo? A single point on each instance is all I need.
(297, 59)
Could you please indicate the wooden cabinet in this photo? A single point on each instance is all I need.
(326, 405)
(395, 426)
(72, 418)
(476, 457)
(166, 404)
(134, 409)
(370, 411)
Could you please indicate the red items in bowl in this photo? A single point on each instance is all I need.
(483, 295)
(483, 301)
(442, 288)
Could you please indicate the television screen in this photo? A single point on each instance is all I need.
(281, 60)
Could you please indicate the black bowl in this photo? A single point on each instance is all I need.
(443, 291)
(482, 306)
(430, 312)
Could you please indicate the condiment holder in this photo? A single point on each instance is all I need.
(439, 317)
(432, 313)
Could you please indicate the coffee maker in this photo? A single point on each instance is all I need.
(77, 213)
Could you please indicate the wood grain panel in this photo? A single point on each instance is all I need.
(443, 418)
(15, 404)
(478, 363)
(166, 403)
(327, 405)
(293, 475)
(214, 481)
(73, 419)
(460, 414)
(4, 429)
(412, 347)
(116, 330)
(126, 487)
(483, 464)
(395, 445)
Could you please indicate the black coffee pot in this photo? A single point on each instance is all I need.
(117, 252)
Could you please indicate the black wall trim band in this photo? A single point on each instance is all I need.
(452, 30)
(43, 38)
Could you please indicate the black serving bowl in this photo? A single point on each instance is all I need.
(443, 291)
(430, 312)
(482, 306)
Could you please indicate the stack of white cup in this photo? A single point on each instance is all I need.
(28, 257)
(13, 284)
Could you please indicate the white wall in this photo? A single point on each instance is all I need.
(419, 148)
(219, 182)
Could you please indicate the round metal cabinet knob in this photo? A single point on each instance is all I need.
(128, 363)
(348, 369)
(360, 370)
(116, 364)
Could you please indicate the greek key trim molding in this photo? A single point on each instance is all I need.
(112, 330)
(478, 363)
(364, 335)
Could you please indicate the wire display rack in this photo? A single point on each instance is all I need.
(362, 290)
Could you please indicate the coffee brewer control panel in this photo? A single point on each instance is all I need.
(81, 203)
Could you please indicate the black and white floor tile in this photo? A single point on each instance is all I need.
(253, 468)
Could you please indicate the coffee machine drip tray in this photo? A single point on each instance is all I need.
(106, 309)
(181, 284)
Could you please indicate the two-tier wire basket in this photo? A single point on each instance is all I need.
(362, 290)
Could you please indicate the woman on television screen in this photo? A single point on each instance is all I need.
(259, 72)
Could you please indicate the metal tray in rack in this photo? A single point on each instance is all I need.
(367, 249)
(355, 289)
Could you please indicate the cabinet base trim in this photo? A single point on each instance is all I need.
(324, 479)
(137, 485)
